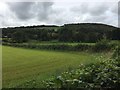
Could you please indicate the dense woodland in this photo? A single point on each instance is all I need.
(81, 32)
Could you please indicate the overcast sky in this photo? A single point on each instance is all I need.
(58, 12)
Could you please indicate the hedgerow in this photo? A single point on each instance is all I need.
(98, 47)
(105, 74)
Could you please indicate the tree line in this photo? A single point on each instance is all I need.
(80, 32)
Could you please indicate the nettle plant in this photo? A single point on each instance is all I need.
(105, 74)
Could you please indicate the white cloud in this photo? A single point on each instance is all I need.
(58, 12)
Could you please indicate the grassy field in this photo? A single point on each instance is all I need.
(23, 65)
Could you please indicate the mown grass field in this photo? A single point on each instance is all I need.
(23, 65)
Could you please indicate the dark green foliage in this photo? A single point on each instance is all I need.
(6, 40)
(103, 44)
(83, 32)
(65, 34)
(105, 74)
(78, 47)
(19, 37)
(116, 34)
(39, 34)
(98, 47)
(87, 32)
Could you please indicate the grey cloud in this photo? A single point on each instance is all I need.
(88, 8)
(115, 8)
(1, 16)
(81, 9)
(24, 13)
(43, 9)
(101, 18)
(99, 10)
(30, 10)
(61, 21)
(119, 8)
(119, 14)
(21, 9)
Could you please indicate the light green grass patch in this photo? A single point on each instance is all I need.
(22, 65)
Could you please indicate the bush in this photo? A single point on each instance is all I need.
(103, 45)
(105, 74)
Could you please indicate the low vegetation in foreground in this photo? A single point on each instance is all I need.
(105, 74)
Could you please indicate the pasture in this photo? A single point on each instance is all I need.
(24, 65)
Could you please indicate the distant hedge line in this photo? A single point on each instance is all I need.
(79, 47)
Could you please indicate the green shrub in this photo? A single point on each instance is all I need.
(105, 74)
(103, 45)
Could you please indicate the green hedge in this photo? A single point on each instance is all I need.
(79, 47)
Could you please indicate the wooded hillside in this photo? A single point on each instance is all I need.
(80, 32)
